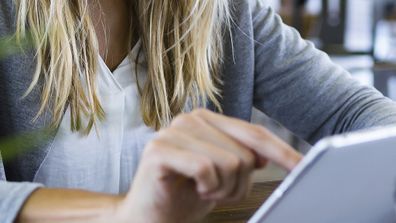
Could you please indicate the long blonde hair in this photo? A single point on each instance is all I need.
(182, 42)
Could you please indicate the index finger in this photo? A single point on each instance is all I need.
(260, 140)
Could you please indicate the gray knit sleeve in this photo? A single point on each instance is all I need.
(12, 196)
(300, 86)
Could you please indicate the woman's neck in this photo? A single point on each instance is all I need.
(112, 23)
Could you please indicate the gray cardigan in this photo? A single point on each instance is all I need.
(268, 67)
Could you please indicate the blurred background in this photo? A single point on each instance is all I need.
(359, 35)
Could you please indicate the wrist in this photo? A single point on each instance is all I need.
(116, 211)
(57, 205)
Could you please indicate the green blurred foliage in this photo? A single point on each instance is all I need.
(13, 146)
(10, 147)
(10, 45)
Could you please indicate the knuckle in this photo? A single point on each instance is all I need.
(152, 153)
(233, 164)
(257, 134)
(258, 131)
(166, 133)
(204, 168)
(200, 112)
(153, 147)
(182, 120)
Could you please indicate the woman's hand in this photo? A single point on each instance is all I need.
(203, 158)
(258, 139)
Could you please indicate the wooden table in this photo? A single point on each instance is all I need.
(241, 212)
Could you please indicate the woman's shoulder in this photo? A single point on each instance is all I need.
(251, 14)
(241, 7)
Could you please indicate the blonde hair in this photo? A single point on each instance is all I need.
(182, 42)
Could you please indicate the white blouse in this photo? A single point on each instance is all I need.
(107, 159)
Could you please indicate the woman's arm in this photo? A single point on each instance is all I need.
(303, 89)
(203, 158)
(57, 205)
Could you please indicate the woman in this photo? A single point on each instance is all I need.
(225, 55)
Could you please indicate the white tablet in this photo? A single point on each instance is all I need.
(344, 179)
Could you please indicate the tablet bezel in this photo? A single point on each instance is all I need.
(335, 142)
